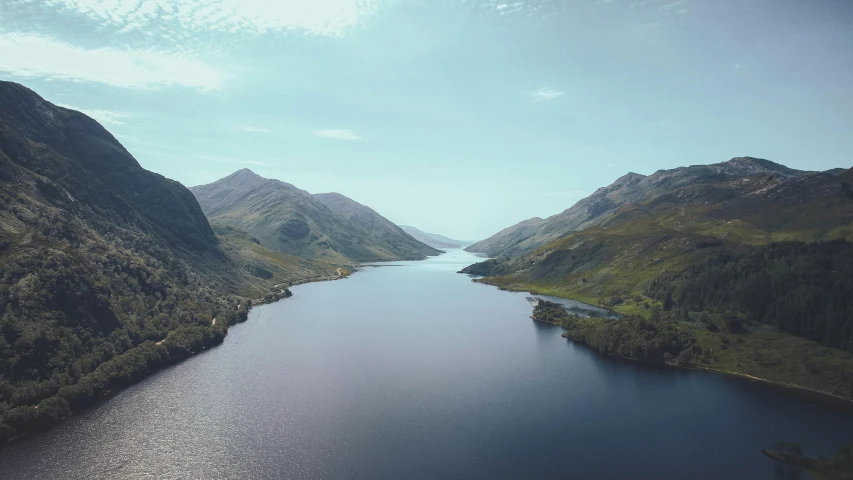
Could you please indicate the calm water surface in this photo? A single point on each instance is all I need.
(412, 372)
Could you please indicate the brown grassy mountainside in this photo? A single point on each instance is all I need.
(292, 221)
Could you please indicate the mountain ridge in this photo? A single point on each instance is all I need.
(293, 221)
(530, 234)
(368, 219)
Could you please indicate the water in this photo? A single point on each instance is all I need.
(581, 309)
(412, 372)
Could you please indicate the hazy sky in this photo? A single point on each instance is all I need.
(458, 117)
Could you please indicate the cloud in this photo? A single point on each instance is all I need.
(34, 56)
(337, 134)
(318, 17)
(677, 6)
(104, 117)
(505, 8)
(251, 129)
(546, 94)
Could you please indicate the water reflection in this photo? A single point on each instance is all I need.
(416, 372)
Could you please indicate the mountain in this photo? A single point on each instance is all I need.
(96, 171)
(380, 227)
(107, 271)
(738, 269)
(632, 188)
(433, 239)
(650, 224)
(289, 220)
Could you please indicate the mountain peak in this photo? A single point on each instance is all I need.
(628, 178)
(760, 165)
(241, 179)
(335, 195)
(246, 174)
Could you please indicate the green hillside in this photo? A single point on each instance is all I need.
(681, 259)
(107, 271)
(292, 221)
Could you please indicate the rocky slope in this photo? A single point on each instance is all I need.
(632, 188)
(380, 227)
(292, 221)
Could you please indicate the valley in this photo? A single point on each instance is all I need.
(397, 239)
(109, 272)
(468, 386)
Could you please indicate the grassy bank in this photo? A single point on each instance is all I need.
(750, 350)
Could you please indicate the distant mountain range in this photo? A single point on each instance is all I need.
(433, 239)
(328, 227)
(396, 238)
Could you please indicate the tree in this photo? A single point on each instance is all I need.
(667, 302)
(656, 313)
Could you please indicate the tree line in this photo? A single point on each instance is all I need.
(805, 289)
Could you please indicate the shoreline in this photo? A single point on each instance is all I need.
(157, 367)
(822, 396)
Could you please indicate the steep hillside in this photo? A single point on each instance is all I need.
(107, 271)
(292, 221)
(433, 239)
(682, 225)
(752, 270)
(380, 227)
(95, 170)
(605, 202)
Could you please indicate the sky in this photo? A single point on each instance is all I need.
(457, 117)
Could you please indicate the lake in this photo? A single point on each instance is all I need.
(413, 371)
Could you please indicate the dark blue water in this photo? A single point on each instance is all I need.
(575, 307)
(415, 372)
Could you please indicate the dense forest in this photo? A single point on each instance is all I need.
(803, 289)
(77, 323)
(489, 268)
(656, 340)
(108, 272)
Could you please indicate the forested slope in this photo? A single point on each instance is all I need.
(755, 268)
(107, 271)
